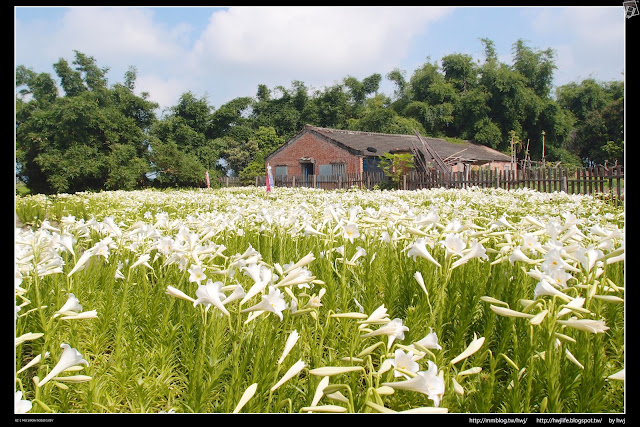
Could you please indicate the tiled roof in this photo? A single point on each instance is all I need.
(363, 142)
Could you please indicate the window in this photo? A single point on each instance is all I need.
(281, 171)
(338, 168)
(324, 170)
(332, 169)
(371, 164)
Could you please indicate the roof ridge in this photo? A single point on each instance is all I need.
(360, 132)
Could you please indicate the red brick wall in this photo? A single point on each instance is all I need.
(319, 150)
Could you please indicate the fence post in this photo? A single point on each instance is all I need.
(619, 174)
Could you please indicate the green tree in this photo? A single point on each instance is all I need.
(400, 97)
(536, 66)
(598, 113)
(283, 113)
(460, 70)
(396, 165)
(93, 138)
(487, 133)
(331, 107)
(183, 149)
(469, 112)
(229, 116)
(377, 116)
(432, 99)
(70, 80)
(267, 141)
(358, 90)
(41, 87)
(176, 168)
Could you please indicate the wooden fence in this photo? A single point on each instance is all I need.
(595, 180)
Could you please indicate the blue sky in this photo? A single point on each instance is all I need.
(224, 53)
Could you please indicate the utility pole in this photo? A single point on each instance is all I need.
(513, 151)
(543, 133)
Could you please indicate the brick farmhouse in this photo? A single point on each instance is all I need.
(323, 151)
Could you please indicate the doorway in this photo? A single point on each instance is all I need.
(307, 169)
(307, 172)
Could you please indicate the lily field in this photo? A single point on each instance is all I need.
(303, 300)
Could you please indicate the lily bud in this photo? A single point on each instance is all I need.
(502, 311)
(474, 346)
(248, 394)
(457, 387)
(334, 370)
(470, 371)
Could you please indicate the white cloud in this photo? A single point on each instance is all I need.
(164, 91)
(241, 47)
(313, 40)
(589, 40)
(116, 37)
(118, 32)
(599, 25)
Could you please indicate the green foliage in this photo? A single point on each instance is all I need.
(75, 141)
(93, 138)
(176, 168)
(396, 165)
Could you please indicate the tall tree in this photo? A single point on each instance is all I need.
(40, 86)
(598, 111)
(536, 66)
(460, 70)
(331, 108)
(183, 149)
(94, 137)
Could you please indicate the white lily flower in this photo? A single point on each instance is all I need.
(92, 314)
(419, 248)
(393, 329)
(544, 288)
(70, 357)
(618, 376)
(427, 382)
(430, 341)
(418, 276)
(21, 406)
(238, 293)
(142, 260)
(71, 305)
(273, 302)
(405, 362)
(210, 294)
(307, 259)
(587, 325)
(324, 382)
